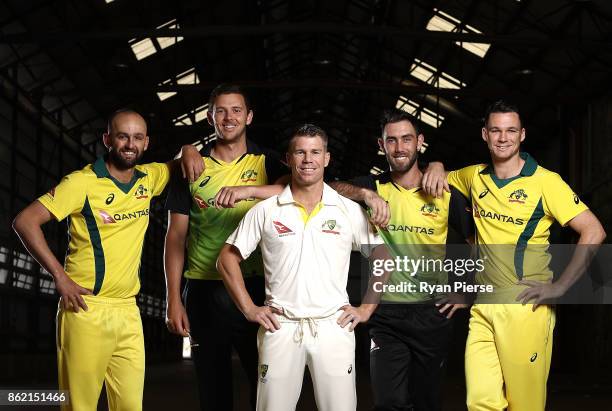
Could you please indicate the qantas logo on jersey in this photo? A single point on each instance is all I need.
(141, 192)
(478, 213)
(282, 229)
(518, 196)
(132, 215)
(249, 176)
(410, 229)
(430, 210)
(328, 227)
(106, 218)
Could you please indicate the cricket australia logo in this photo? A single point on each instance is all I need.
(141, 192)
(518, 196)
(249, 176)
(106, 218)
(328, 226)
(430, 210)
(282, 229)
(263, 371)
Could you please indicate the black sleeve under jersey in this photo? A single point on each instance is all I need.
(274, 166)
(460, 214)
(364, 182)
(179, 197)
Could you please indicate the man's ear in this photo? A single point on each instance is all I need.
(420, 141)
(106, 140)
(381, 144)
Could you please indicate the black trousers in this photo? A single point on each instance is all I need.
(218, 326)
(409, 346)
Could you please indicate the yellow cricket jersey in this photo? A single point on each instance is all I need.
(516, 211)
(210, 227)
(418, 228)
(107, 222)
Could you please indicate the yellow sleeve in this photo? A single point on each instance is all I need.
(462, 179)
(559, 200)
(67, 197)
(159, 175)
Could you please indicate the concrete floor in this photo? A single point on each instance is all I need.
(171, 386)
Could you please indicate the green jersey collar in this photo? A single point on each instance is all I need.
(99, 168)
(529, 168)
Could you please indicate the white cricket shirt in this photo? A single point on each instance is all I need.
(306, 264)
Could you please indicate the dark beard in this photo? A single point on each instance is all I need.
(121, 163)
(408, 166)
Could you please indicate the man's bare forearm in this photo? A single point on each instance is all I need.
(174, 254)
(349, 190)
(228, 265)
(371, 298)
(587, 247)
(266, 191)
(27, 225)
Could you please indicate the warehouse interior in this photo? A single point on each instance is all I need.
(66, 65)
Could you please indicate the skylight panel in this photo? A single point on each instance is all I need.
(183, 120)
(143, 48)
(430, 74)
(198, 115)
(442, 21)
(187, 77)
(146, 47)
(199, 144)
(424, 114)
(165, 42)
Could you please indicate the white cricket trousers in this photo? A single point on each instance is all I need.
(327, 349)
